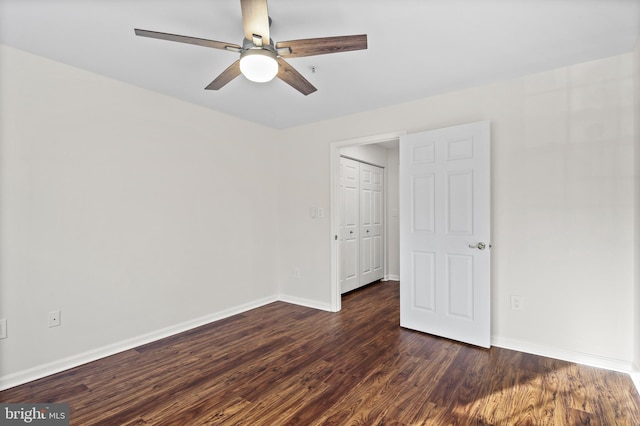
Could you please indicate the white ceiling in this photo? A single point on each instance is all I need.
(417, 48)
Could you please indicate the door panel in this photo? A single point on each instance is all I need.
(349, 229)
(423, 192)
(378, 255)
(445, 212)
(365, 204)
(423, 280)
(366, 250)
(371, 230)
(460, 202)
(460, 285)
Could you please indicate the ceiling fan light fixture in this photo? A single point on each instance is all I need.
(259, 65)
(262, 59)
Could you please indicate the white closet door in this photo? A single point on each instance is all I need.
(371, 230)
(361, 224)
(349, 229)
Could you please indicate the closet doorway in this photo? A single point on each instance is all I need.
(361, 233)
(381, 151)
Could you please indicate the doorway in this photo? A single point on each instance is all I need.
(353, 148)
(362, 220)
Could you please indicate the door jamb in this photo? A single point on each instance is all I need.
(334, 148)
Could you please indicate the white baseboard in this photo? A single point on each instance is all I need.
(391, 278)
(635, 378)
(564, 355)
(305, 302)
(57, 366)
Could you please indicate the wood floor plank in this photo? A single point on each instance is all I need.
(284, 364)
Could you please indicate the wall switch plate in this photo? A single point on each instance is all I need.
(3, 328)
(54, 318)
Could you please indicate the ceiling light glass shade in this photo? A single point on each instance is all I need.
(258, 65)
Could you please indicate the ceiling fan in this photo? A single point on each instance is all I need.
(260, 58)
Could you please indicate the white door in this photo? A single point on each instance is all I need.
(349, 231)
(371, 213)
(445, 232)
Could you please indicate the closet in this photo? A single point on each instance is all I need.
(361, 229)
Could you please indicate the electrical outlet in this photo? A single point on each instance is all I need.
(54, 318)
(3, 328)
(296, 272)
(517, 303)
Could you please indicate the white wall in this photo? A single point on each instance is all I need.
(136, 214)
(636, 321)
(562, 203)
(371, 153)
(130, 211)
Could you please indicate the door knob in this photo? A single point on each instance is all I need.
(479, 246)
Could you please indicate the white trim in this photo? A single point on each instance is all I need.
(564, 355)
(48, 369)
(635, 378)
(53, 367)
(334, 152)
(305, 302)
(391, 278)
(366, 140)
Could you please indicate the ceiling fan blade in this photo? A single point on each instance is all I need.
(321, 46)
(227, 75)
(255, 19)
(293, 78)
(189, 40)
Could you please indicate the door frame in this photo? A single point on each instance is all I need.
(334, 149)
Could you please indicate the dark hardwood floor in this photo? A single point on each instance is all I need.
(284, 364)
